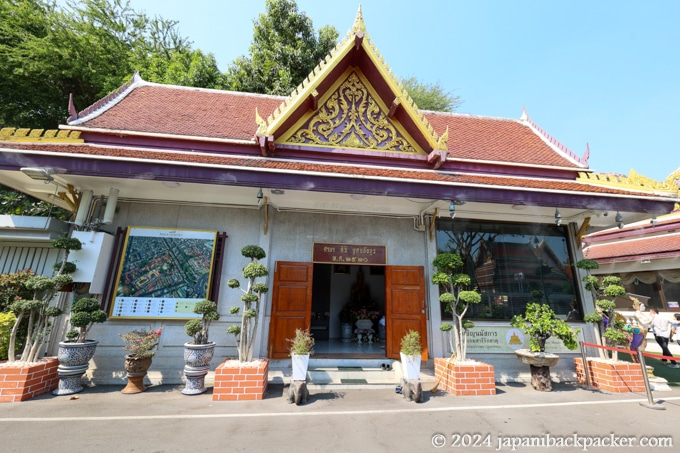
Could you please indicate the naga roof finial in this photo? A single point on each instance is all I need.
(359, 25)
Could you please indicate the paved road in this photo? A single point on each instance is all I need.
(164, 420)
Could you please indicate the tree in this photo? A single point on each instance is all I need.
(456, 297)
(283, 52)
(431, 96)
(88, 48)
(17, 203)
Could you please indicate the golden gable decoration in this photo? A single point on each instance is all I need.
(352, 118)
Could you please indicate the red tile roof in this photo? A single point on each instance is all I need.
(202, 113)
(662, 246)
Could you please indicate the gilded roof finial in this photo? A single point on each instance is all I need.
(359, 25)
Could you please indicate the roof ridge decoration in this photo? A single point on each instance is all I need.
(356, 37)
(554, 142)
(104, 103)
(633, 181)
(11, 134)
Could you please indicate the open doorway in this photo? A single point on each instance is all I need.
(342, 294)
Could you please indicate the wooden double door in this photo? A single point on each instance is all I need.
(405, 307)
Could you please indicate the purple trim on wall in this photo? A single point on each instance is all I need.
(320, 183)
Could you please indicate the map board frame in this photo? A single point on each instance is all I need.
(176, 260)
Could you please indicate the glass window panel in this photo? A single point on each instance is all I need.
(511, 265)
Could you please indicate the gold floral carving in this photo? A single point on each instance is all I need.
(352, 118)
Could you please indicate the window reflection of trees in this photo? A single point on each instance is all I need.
(512, 265)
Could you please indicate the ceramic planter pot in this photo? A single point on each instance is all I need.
(197, 359)
(136, 368)
(74, 359)
(410, 365)
(300, 366)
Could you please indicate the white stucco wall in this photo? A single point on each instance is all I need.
(290, 237)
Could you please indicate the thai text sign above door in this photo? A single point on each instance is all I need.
(325, 252)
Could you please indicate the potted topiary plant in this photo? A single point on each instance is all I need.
(301, 348)
(75, 353)
(410, 352)
(30, 298)
(252, 295)
(540, 322)
(141, 345)
(610, 325)
(199, 353)
(456, 297)
(231, 372)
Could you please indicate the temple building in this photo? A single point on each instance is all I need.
(345, 180)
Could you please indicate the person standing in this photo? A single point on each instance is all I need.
(661, 327)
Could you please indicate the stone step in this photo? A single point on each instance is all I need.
(347, 373)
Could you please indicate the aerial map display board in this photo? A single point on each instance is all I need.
(163, 273)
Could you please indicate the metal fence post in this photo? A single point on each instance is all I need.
(585, 366)
(650, 404)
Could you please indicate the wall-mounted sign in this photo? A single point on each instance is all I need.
(325, 252)
(163, 273)
(501, 339)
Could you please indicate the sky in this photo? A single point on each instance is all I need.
(604, 73)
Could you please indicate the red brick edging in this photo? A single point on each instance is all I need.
(465, 379)
(240, 383)
(23, 383)
(615, 377)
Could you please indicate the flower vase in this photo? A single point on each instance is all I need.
(359, 339)
(136, 368)
(370, 338)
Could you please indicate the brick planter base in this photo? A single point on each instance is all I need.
(22, 383)
(473, 378)
(615, 377)
(240, 383)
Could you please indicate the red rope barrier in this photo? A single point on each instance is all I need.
(631, 352)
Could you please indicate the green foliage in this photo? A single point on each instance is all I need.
(199, 328)
(245, 334)
(13, 287)
(456, 296)
(88, 48)
(85, 312)
(17, 203)
(68, 268)
(254, 252)
(431, 96)
(67, 243)
(411, 344)
(7, 320)
(302, 343)
(605, 290)
(446, 327)
(284, 50)
(540, 322)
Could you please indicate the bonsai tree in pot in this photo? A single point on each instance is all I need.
(301, 347)
(252, 296)
(410, 352)
(199, 353)
(456, 297)
(32, 304)
(540, 322)
(610, 324)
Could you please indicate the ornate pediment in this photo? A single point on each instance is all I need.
(352, 116)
